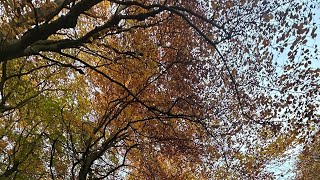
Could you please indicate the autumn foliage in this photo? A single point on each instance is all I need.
(155, 89)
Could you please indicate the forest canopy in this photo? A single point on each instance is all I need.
(158, 89)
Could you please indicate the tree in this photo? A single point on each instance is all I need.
(308, 163)
(94, 89)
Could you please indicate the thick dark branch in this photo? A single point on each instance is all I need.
(51, 45)
(16, 48)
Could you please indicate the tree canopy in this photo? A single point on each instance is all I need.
(156, 89)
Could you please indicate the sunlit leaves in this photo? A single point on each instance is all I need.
(155, 89)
